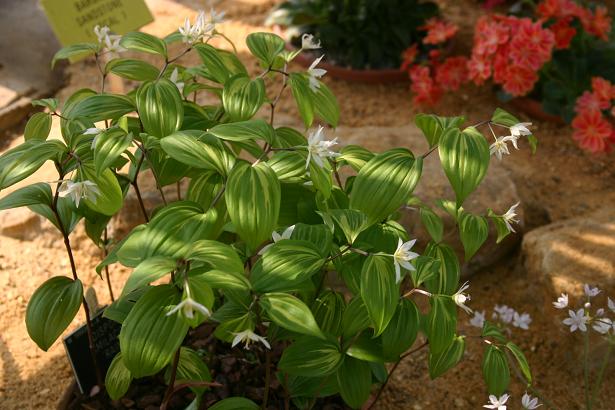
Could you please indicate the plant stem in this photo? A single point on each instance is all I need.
(267, 378)
(588, 404)
(605, 363)
(274, 103)
(69, 251)
(386, 381)
(135, 185)
(104, 249)
(425, 155)
(169, 392)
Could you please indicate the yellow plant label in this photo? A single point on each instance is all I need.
(73, 21)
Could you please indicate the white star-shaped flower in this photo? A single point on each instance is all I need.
(308, 43)
(461, 298)
(402, 257)
(520, 129)
(95, 132)
(319, 148)
(522, 321)
(276, 237)
(510, 217)
(529, 403)
(603, 325)
(497, 403)
(505, 313)
(315, 73)
(500, 148)
(590, 292)
(174, 78)
(80, 189)
(247, 337)
(577, 320)
(561, 302)
(188, 306)
(478, 320)
(101, 32)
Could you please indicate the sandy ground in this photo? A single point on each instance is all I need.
(559, 182)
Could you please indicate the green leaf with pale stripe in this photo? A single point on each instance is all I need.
(432, 223)
(385, 183)
(495, 370)
(132, 69)
(290, 313)
(465, 159)
(253, 200)
(441, 362)
(110, 145)
(401, 332)
(355, 380)
(244, 130)
(144, 42)
(35, 194)
(521, 361)
(198, 150)
(379, 291)
(76, 51)
(446, 280)
(110, 199)
(473, 230)
(326, 106)
(242, 97)
(441, 323)
(303, 95)
(311, 357)
(160, 107)
(149, 338)
(52, 308)
(100, 107)
(38, 127)
(118, 378)
(148, 271)
(265, 46)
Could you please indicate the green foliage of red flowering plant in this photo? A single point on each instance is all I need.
(335, 290)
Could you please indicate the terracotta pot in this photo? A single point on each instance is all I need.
(384, 76)
(533, 108)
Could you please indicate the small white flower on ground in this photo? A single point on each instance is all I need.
(611, 304)
(520, 129)
(308, 43)
(505, 313)
(215, 17)
(529, 403)
(315, 73)
(247, 337)
(600, 312)
(561, 302)
(577, 320)
(101, 32)
(277, 237)
(78, 190)
(319, 148)
(478, 320)
(188, 306)
(510, 217)
(461, 298)
(402, 257)
(499, 147)
(603, 325)
(174, 78)
(590, 292)
(522, 321)
(497, 403)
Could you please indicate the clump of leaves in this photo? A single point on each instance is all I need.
(210, 252)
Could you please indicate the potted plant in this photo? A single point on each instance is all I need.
(230, 291)
(361, 40)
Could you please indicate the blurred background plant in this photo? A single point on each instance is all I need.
(360, 34)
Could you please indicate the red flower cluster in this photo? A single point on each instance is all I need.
(438, 31)
(593, 129)
(596, 22)
(511, 50)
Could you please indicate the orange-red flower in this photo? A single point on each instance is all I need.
(426, 92)
(479, 69)
(592, 131)
(589, 101)
(519, 80)
(488, 35)
(452, 73)
(600, 23)
(438, 31)
(408, 56)
(557, 8)
(603, 89)
(563, 33)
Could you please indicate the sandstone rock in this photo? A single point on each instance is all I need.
(19, 223)
(497, 192)
(566, 254)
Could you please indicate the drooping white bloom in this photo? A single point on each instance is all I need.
(315, 73)
(510, 217)
(308, 43)
(194, 33)
(497, 403)
(522, 321)
(318, 148)
(247, 337)
(603, 325)
(95, 132)
(80, 189)
(101, 32)
(188, 306)
(611, 304)
(478, 320)
(577, 320)
(529, 403)
(561, 302)
(461, 298)
(520, 129)
(402, 257)
(276, 237)
(590, 292)
(505, 313)
(174, 78)
(112, 44)
(499, 147)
